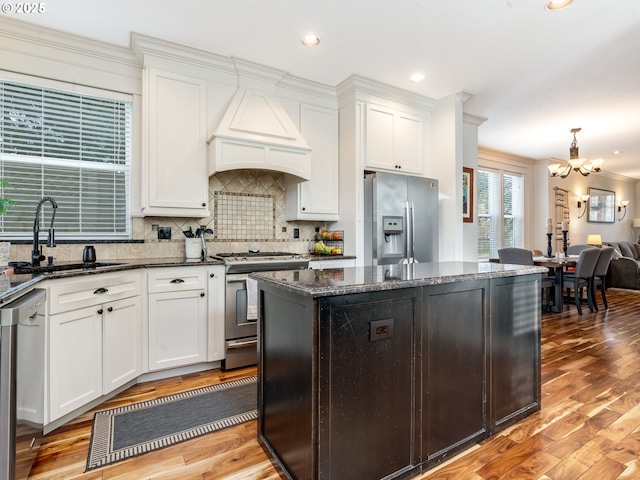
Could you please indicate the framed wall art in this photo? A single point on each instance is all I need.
(467, 194)
(601, 206)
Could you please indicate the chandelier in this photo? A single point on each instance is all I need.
(575, 162)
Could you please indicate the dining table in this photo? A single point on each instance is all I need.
(557, 266)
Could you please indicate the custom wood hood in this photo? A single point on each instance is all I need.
(256, 132)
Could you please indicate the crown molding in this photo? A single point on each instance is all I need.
(23, 37)
(361, 87)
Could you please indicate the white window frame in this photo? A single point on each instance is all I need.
(94, 166)
(500, 241)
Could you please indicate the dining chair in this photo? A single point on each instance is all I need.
(515, 256)
(576, 249)
(522, 256)
(582, 277)
(600, 274)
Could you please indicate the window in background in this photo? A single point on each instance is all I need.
(500, 206)
(73, 147)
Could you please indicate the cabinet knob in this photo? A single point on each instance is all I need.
(303, 209)
(204, 204)
(202, 294)
(110, 309)
(100, 312)
(212, 275)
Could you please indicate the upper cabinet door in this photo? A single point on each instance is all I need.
(175, 176)
(395, 140)
(317, 199)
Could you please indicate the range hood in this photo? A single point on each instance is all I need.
(256, 132)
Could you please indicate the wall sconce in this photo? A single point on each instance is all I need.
(623, 204)
(594, 240)
(583, 199)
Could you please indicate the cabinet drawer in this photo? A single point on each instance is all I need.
(86, 291)
(176, 279)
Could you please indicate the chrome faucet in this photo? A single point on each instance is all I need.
(36, 253)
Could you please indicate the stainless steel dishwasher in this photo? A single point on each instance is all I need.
(21, 383)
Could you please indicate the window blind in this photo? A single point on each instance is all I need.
(73, 147)
(500, 205)
(513, 210)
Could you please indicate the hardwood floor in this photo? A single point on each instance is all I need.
(588, 427)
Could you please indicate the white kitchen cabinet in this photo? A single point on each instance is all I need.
(121, 342)
(75, 360)
(177, 317)
(317, 199)
(215, 313)
(395, 140)
(175, 177)
(94, 338)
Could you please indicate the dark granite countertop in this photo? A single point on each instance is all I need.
(12, 286)
(343, 281)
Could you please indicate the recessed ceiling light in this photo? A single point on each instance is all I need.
(417, 77)
(617, 152)
(554, 5)
(310, 40)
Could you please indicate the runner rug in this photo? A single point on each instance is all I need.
(132, 430)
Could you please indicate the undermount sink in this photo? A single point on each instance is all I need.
(24, 267)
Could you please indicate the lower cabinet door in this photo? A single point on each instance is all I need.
(122, 342)
(515, 352)
(75, 360)
(366, 388)
(177, 329)
(454, 368)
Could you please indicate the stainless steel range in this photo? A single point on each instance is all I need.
(240, 303)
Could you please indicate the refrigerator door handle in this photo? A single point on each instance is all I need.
(412, 240)
(407, 234)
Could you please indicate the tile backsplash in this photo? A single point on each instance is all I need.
(244, 216)
(247, 209)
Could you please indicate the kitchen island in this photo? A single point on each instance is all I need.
(384, 372)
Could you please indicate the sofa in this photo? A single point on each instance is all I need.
(624, 270)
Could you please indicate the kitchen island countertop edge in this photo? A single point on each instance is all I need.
(349, 280)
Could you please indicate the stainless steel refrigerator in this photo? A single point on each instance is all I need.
(401, 219)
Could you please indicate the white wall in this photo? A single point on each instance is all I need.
(446, 166)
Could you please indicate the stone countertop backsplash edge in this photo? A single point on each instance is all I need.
(20, 284)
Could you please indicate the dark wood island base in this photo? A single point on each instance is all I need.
(384, 372)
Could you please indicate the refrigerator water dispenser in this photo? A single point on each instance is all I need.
(392, 228)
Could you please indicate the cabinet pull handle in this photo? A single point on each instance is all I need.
(177, 280)
(202, 294)
(100, 312)
(100, 290)
(110, 309)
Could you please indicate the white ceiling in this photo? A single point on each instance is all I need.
(534, 74)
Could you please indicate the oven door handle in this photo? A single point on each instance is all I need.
(236, 278)
(242, 344)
